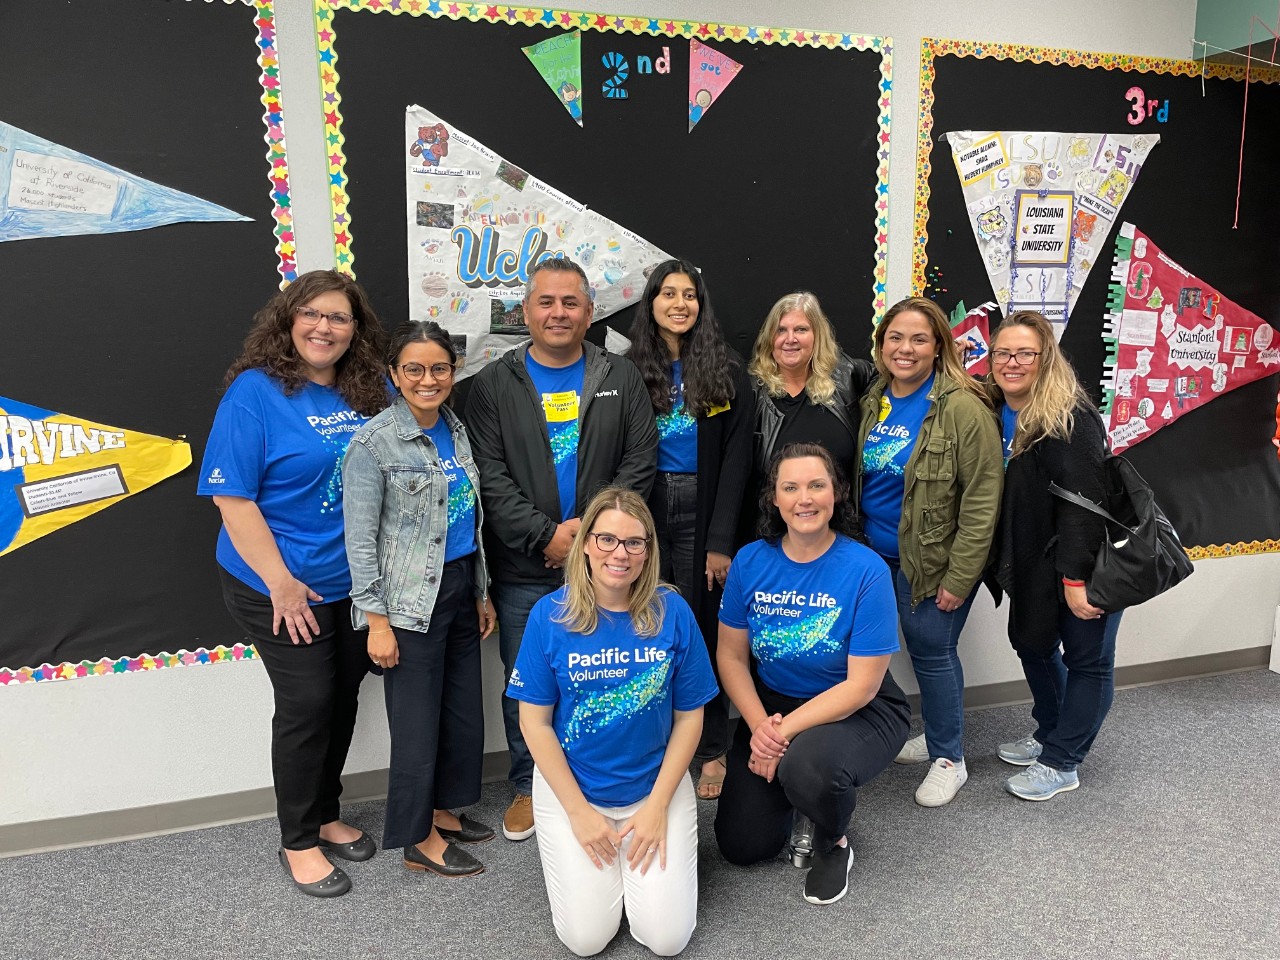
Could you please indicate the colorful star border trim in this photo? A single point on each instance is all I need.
(273, 118)
(931, 48)
(140, 664)
(550, 18)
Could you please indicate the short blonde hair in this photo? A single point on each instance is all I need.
(821, 384)
(578, 612)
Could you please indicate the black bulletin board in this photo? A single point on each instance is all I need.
(775, 190)
(1215, 470)
(134, 330)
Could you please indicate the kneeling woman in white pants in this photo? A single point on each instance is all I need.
(612, 675)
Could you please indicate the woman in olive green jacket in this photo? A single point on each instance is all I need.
(928, 490)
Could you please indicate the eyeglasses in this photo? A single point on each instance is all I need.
(311, 316)
(1021, 357)
(416, 371)
(608, 543)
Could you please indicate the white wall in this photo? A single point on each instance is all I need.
(118, 742)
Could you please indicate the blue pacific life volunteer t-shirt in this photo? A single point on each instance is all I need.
(561, 392)
(806, 619)
(1008, 427)
(613, 691)
(461, 538)
(884, 463)
(285, 454)
(677, 431)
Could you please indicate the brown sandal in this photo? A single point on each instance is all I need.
(709, 786)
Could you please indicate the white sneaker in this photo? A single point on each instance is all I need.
(914, 750)
(942, 783)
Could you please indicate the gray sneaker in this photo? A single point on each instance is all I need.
(1021, 753)
(1039, 782)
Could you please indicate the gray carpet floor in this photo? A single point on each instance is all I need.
(1169, 849)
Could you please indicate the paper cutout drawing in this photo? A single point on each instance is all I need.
(47, 190)
(709, 73)
(1041, 206)
(477, 223)
(972, 331)
(559, 62)
(56, 469)
(1174, 342)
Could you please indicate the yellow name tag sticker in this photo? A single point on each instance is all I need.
(885, 408)
(560, 407)
(720, 409)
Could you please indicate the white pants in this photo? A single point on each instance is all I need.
(587, 903)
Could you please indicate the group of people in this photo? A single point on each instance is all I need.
(655, 537)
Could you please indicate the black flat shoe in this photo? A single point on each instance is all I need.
(334, 885)
(470, 831)
(357, 851)
(457, 862)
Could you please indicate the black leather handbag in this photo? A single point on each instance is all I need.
(1141, 557)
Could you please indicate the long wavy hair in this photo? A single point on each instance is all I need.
(422, 331)
(578, 611)
(1056, 393)
(360, 375)
(707, 363)
(844, 518)
(948, 361)
(821, 385)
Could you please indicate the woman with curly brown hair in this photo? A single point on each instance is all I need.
(310, 374)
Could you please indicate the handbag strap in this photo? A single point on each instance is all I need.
(1080, 501)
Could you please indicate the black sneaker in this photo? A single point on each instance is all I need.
(828, 878)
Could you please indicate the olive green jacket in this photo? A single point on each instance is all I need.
(951, 497)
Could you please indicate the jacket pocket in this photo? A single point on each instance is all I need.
(939, 460)
(410, 481)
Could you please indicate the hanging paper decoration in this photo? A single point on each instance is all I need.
(1174, 342)
(47, 190)
(709, 73)
(56, 469)
(477, 223)
(972, 331)
(559, 62)
(1041, 206)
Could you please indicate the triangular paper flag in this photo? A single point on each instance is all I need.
(56, 469)
(1174, 342)
(972, 331)
(709, 73)
(559, 61)
(47, 190)
(1041, 206)
(477, 223)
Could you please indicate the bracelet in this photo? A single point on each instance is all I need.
(1068, 582)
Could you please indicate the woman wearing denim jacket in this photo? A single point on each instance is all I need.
(419, 582)
(929, 495)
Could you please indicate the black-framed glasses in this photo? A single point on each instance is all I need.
(416, 371)
(608, 543)
(311, 316)
(1020, 357)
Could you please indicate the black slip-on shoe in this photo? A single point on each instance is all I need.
(471, 831)
(357, 851)
(334, 885)
(457, 862)
(828, 878)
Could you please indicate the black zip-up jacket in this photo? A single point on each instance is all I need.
(617, 444)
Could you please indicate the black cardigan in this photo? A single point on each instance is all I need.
(1042, 538)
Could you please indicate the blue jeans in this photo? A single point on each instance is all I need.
(932, 636)
(513, 601)
(1072, 689)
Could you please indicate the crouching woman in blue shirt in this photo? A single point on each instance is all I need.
(807, 625)
(612, 676)
(419, 583)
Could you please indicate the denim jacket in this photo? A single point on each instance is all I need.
(396, 510)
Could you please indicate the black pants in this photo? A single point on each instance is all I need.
(434, 712)
(818, 776)
(316, 687)
(674, 502)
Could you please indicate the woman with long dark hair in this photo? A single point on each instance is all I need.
(310, 374)
(1045, 550)
(702, 403)
(420, 586)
